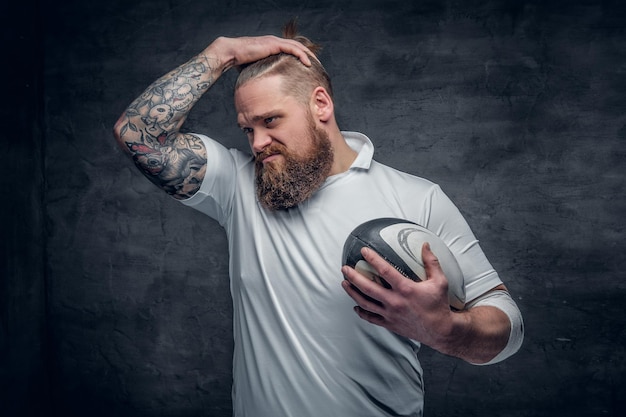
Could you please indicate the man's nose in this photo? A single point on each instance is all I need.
(260, 140)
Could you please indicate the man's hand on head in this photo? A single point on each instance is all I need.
(244, 50)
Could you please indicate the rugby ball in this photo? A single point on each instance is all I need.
(400, 243)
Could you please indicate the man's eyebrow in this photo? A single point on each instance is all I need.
(262, 116)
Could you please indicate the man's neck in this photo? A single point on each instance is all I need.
(344, 155)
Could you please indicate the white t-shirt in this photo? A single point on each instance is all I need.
(300, 350)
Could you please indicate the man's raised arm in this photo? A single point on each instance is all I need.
(149, 129)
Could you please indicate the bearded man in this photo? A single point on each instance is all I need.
(287, 209)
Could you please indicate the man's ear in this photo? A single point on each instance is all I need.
(323, 107)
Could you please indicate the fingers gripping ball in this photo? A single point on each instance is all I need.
(400, 243)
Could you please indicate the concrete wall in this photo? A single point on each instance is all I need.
(23, 334)
(516, 108)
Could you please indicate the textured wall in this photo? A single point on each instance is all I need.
(22, 238)
(516, 108)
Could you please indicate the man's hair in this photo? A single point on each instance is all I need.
(299, 80)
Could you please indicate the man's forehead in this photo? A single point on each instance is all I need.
(275, 80)
(262, 98)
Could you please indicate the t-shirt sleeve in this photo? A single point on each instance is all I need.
(216, 193)
(445, 219)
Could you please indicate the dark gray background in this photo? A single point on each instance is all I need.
(114, 298)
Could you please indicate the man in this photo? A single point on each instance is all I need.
(287, 209)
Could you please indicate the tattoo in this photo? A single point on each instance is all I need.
(177, 169)
(150, 126)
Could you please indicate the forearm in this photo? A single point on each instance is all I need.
(163, 107)
(477, 335)
(488, 331)
(149, 129)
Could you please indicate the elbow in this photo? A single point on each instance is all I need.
(121, 130)
(514, 341)
(118, 127)
(510, 335)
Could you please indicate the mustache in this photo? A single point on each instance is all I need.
(274, 149)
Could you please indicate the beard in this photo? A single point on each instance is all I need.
(280, 186)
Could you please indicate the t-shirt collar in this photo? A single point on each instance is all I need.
(363, 146)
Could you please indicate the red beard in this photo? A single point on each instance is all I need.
(286, 184)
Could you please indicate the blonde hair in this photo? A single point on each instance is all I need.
(299, 80)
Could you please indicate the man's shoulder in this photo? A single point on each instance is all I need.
(391, 173)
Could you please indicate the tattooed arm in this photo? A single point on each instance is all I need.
(149, 129)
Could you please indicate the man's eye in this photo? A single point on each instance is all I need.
(269, 120)
(246, 130)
